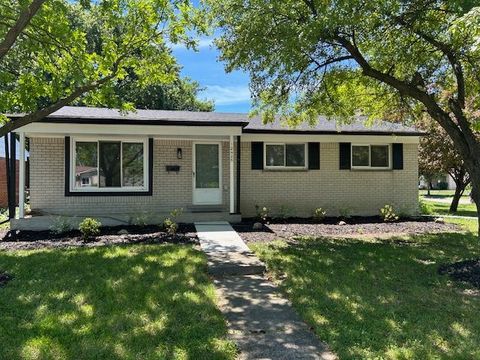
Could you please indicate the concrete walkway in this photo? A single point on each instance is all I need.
(261, 322)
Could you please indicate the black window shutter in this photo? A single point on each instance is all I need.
(257, 155)
(345, 157)
(397, 156)
(313, 156)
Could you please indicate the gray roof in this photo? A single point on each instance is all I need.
(93, 115)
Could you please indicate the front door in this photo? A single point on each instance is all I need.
(207, 184)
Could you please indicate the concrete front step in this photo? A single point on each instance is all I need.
(234, 263)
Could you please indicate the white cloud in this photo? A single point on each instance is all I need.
(227, 95)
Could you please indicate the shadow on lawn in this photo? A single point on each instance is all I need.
(384, 298)
(111, 303)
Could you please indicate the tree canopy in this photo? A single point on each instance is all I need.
(389, 60)
(52, 52)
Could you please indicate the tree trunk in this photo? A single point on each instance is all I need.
(429, 187)
(475, 194)
(456, 197)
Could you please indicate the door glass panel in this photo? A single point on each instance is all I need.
(207, 166)
(109, 164)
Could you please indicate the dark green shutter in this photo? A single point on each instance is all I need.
(397, 150)
(345, 157)
(257, 155)
(313, 156)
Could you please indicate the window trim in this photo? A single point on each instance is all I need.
(285, 167)
(70, 156)
(370, 167)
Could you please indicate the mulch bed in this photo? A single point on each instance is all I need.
(355, 227)
(467, 271)
(28, 240)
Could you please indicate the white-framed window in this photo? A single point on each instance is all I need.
(109, 164)
(366, 156)
(285, 155)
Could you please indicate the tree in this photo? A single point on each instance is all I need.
(54, 52)
(389, 60)
(180, 95)
(438, 155)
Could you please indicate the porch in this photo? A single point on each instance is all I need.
(196, 169)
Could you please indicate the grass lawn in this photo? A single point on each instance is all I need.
(132, 302)
(442, 193)
(382, 300)
(442, 208)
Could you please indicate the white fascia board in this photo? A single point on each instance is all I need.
(53, 130)
(332, 138)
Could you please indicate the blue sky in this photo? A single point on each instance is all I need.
(229, 91)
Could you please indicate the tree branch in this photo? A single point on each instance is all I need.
(42, 113)
(448, 52)
(14, 32)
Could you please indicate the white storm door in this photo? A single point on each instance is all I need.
(207, 169)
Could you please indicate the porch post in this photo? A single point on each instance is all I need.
(232, 180)
(21, 178)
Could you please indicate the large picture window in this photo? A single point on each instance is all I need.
(285, 156)
(109, 165)
(371, 156)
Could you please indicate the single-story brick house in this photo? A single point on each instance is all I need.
(102, 163)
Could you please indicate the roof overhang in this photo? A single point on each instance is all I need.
(61, 129)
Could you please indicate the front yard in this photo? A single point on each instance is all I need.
(114, 302)
(381, 299)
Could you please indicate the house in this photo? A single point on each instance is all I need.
(102, 163)
(3, 184)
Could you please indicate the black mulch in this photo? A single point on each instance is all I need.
(26, 240)
(4, 278)
(467, 271)
(354, 227)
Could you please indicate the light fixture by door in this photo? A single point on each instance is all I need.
(179, 153)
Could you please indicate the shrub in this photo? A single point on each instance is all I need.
(345, 213)
(60, 225)
(89, 228)
(285, 212)
(387, 213)
(263, 214)
(425, 207)
(169, 224)
(140, 219)
(442, 185)
(319, 214)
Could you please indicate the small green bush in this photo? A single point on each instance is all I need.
(319, 214)
(140, 219)
(285, 212)
(442, 185)
(387, 213)
(263, 213)
(425, 207)
(345, 213)
(89, 228)
(169, 224)
(61, 225)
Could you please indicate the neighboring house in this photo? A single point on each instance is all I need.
(98, 162)
(3, 184)
(441, 182)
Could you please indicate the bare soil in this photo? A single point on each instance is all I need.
(467, 271)
(27, 240)
(354, 227)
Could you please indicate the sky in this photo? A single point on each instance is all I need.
(229, 91)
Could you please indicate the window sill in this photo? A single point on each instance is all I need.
(109, 193)
(371, 170)
(284, 170)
